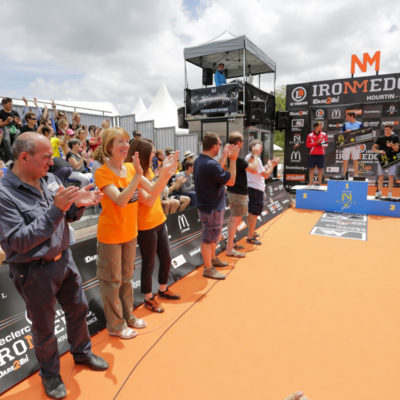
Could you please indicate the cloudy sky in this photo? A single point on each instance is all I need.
(118, 50)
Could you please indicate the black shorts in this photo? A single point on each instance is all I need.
(316, 161)
(256, 201)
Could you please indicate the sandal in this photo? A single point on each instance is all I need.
(253, 240)
(169, 294)
(238, 247)
(153, 305)
(236, 254)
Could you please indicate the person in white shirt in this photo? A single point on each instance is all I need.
(256, 186)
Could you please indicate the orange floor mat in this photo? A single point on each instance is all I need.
(305, 312)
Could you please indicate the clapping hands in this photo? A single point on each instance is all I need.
(87, 197)
(170, 164)
(136, 163)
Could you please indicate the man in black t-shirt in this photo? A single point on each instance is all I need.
(238, 195)
(11, 124)
(30, 126)
(388, 145)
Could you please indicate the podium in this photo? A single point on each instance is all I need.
(344, 197)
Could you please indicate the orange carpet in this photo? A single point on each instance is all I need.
(302, 312)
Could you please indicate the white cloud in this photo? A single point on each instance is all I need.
(118, 51)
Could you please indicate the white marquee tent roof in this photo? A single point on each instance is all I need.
(139, 109)
(162, 110)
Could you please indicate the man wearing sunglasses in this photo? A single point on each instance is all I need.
(31, 120)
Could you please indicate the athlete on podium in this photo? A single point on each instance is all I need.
(354, 151)
(316, 142)
(386, 145)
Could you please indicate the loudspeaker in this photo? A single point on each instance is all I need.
(207, 76)
(257, 112)
(281, 120)
(182, 123)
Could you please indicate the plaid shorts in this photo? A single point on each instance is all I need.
(212, 225)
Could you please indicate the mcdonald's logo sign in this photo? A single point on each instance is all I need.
(183, 223)
(295, 156)
(336, 114)
(367, 59)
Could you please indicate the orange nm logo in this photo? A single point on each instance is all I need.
(367, 59)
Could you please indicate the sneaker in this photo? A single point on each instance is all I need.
(216, 262)
(126, 333)
(212, 273)
(153, 305)
(236, 254)
(253, 240)
(54, 387)
(137, 323)
(169, 294)
(377, 195)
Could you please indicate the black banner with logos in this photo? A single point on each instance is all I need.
(17, 359)
(214, 100)
(375, 101)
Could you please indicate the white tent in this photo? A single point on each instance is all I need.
(277, 148)
(139, 108)
(162, 110)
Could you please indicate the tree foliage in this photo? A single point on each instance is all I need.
(280, 105)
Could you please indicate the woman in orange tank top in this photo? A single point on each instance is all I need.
(153, 233)
(117, 228)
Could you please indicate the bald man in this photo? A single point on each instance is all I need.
(34, 213)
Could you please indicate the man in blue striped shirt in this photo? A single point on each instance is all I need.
(354, 151)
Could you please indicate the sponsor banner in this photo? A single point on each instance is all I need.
(345, 226)
(295, 177)
(375, 101)
(17, 359)
(214, 100)
(296, 152)
(368, 89)
(373, 117)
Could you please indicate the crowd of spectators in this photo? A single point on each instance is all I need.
(77, 152)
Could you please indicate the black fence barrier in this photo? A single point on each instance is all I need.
(17, 359)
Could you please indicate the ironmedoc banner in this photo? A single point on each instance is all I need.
(374, 99)
(17, 359)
